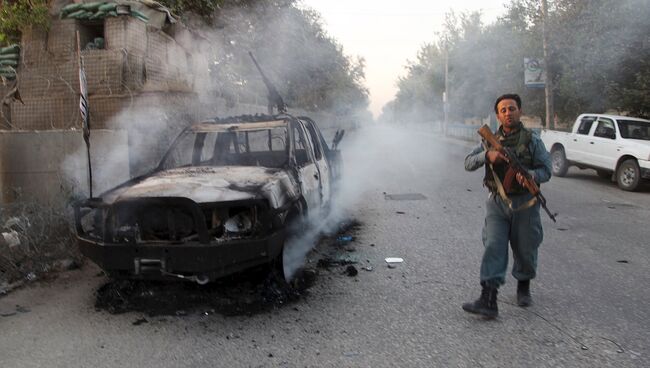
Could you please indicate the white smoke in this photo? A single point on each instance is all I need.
(371, 156)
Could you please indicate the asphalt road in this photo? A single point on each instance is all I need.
(591, 295)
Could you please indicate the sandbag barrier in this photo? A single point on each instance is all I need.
(96, 11)
(9, 57)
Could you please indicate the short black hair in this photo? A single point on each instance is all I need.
(508, 96)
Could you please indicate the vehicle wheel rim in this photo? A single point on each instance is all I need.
(557, 162)
(628, 176)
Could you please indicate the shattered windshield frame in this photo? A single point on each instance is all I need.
(266, 144)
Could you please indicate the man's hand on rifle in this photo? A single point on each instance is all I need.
(521, 179)
(494, 157)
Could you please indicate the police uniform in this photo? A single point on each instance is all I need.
(512, 215)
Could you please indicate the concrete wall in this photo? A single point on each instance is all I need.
(50, 166)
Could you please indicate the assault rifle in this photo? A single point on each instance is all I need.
(274, 96)
(515, 167)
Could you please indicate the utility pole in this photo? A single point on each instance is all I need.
(548, 82)
(445, 94)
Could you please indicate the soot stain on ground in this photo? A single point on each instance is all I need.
(248, 293)
(334, 251)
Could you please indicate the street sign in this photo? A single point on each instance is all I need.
(534, 73)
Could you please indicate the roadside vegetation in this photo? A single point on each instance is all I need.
(18, 15)
(599, 60)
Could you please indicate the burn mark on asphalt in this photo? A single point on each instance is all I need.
(249, 293)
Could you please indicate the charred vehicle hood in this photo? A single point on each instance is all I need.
(204, 184)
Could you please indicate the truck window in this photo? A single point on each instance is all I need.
(634, 129)
(605, 129)
(585, 125)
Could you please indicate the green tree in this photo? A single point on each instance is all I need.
(18, 15)
(308, 67)
(599, 59)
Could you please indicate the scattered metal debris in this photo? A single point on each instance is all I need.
(400, 212)
(622, 261)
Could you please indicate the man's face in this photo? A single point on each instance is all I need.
(508, 113)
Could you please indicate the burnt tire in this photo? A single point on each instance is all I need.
(559, 164)
(628, 175)
(286, 264)
(604, 174)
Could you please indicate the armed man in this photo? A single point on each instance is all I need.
(513, 207)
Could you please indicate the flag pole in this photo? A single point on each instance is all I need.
(85, 113)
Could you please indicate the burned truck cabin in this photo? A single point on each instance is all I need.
(219, 202)
(264, 144)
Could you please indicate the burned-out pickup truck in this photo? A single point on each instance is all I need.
(220, 201)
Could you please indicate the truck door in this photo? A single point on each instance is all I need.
(321, 161)
(307, 169)
(604, 144)
(578, 150)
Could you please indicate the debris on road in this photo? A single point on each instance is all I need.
(13, 311)
(11, 238)
(34, 239)
(394, 260)
(242, 294)
(400, 212)
(351, 271)
(345, 238)
(139, 321)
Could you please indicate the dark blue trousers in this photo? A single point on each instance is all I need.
(521, 229)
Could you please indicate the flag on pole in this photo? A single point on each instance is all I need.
(83, 101)
(85, 113)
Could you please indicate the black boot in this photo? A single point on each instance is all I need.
(523, 294)
(486, 305)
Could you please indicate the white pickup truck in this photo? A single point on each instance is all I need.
(617, 147)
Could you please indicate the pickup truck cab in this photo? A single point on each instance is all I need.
(617, 147)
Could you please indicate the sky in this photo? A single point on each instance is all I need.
(388, 33)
